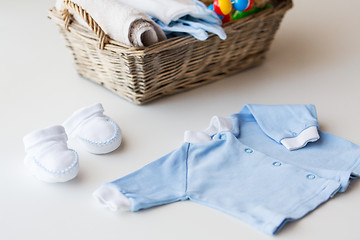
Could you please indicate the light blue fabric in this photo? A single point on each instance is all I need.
(198, 28)
(282, 121)
(330, 155)
(205, 14)
(179, 28)
(247, 173)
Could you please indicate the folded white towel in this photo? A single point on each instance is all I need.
(120, 21)
(171, 10)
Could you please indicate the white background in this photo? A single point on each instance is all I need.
(315, 58)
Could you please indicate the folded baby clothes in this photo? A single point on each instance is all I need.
(94, 130)
(48, 157)
(193, 26)
(120, 21)
(172, 10)
(267, 165)
(181, 16)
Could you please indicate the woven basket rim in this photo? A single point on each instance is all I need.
(75, 27)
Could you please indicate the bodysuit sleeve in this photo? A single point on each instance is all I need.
(160, 182)
(292, 125)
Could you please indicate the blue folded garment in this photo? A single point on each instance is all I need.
(266, 165)
(196, 27)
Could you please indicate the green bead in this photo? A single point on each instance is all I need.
(241, 14)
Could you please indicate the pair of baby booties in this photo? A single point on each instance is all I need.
(48, 157)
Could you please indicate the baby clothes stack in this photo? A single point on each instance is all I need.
(141, 23)
(181, 16)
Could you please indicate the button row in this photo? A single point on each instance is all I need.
(278, 164)
(309, 176)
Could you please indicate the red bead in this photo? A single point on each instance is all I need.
(226, 18)
(217, 8)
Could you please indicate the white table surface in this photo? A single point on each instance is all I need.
(315, 58)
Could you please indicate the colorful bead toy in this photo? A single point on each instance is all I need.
(223, 8)
(241, 14)
(224, 18)
(242, 5)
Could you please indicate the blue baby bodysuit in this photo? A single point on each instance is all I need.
(267, 164)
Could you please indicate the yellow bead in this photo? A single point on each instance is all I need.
(225, 6)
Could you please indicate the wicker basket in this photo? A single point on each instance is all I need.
(143, 74)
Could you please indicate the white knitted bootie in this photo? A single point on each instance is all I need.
(96, 132)
(48, 156)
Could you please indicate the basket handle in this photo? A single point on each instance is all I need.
(66, 16)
